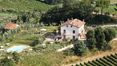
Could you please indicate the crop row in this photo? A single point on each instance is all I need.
(110, 60)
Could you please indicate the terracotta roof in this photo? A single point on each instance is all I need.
(10, 26)
(74, 22)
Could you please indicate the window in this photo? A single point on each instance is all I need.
(64, 31)
(74, 37)
(73, 31)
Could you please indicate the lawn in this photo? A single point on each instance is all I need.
(45, 59)
(7, 16)
(111, 9)
(25, 36)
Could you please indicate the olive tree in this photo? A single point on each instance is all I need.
(110, 33)
(79, 48)
(91, 41)
(100, 38)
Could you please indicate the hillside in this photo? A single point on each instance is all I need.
(113, 1)
(24, 5)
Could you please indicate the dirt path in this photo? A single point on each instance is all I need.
(94, 57)
(111, 25)
(65, 48)
(115, 39)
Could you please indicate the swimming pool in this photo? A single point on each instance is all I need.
(18, 48)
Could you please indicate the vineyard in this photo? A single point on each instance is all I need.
(105, 61)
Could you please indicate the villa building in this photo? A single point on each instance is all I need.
(73, 29)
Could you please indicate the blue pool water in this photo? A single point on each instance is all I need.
(18, 48)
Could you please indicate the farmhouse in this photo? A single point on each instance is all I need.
(73, 29)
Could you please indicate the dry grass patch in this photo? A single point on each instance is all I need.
(114, 45)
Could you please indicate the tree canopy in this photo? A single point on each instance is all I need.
(99, 38)
(80, 48)
(102, 4)
(70, 9)
(110, 33)
(91, 40)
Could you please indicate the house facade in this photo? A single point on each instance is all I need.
(73, 29)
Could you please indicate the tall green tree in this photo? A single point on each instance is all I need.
(91, 41)
(80, 48)
(6, 62)
(25, 18)
(110, 33)
(100, 38)
(16, 57)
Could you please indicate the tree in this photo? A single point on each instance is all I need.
(86, 7)
(35, 42)
(6, 62)
(100, 39)
(91, 41)
(99, 34)
(25, 17)
(79, 48)
(68, 3)
(110, 33)
(70, 9)
(16, 57)
(9, 59)
(102, 4)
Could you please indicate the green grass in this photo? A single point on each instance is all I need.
(45, 59)
(111, 9)
(25, 37)
(51, 28)
(24, 5)
(7, 16)
(28, 36)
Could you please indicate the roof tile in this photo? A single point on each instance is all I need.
(74, 22)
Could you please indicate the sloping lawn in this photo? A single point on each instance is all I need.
(6, 16)
(25, 5)
(45, 59)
